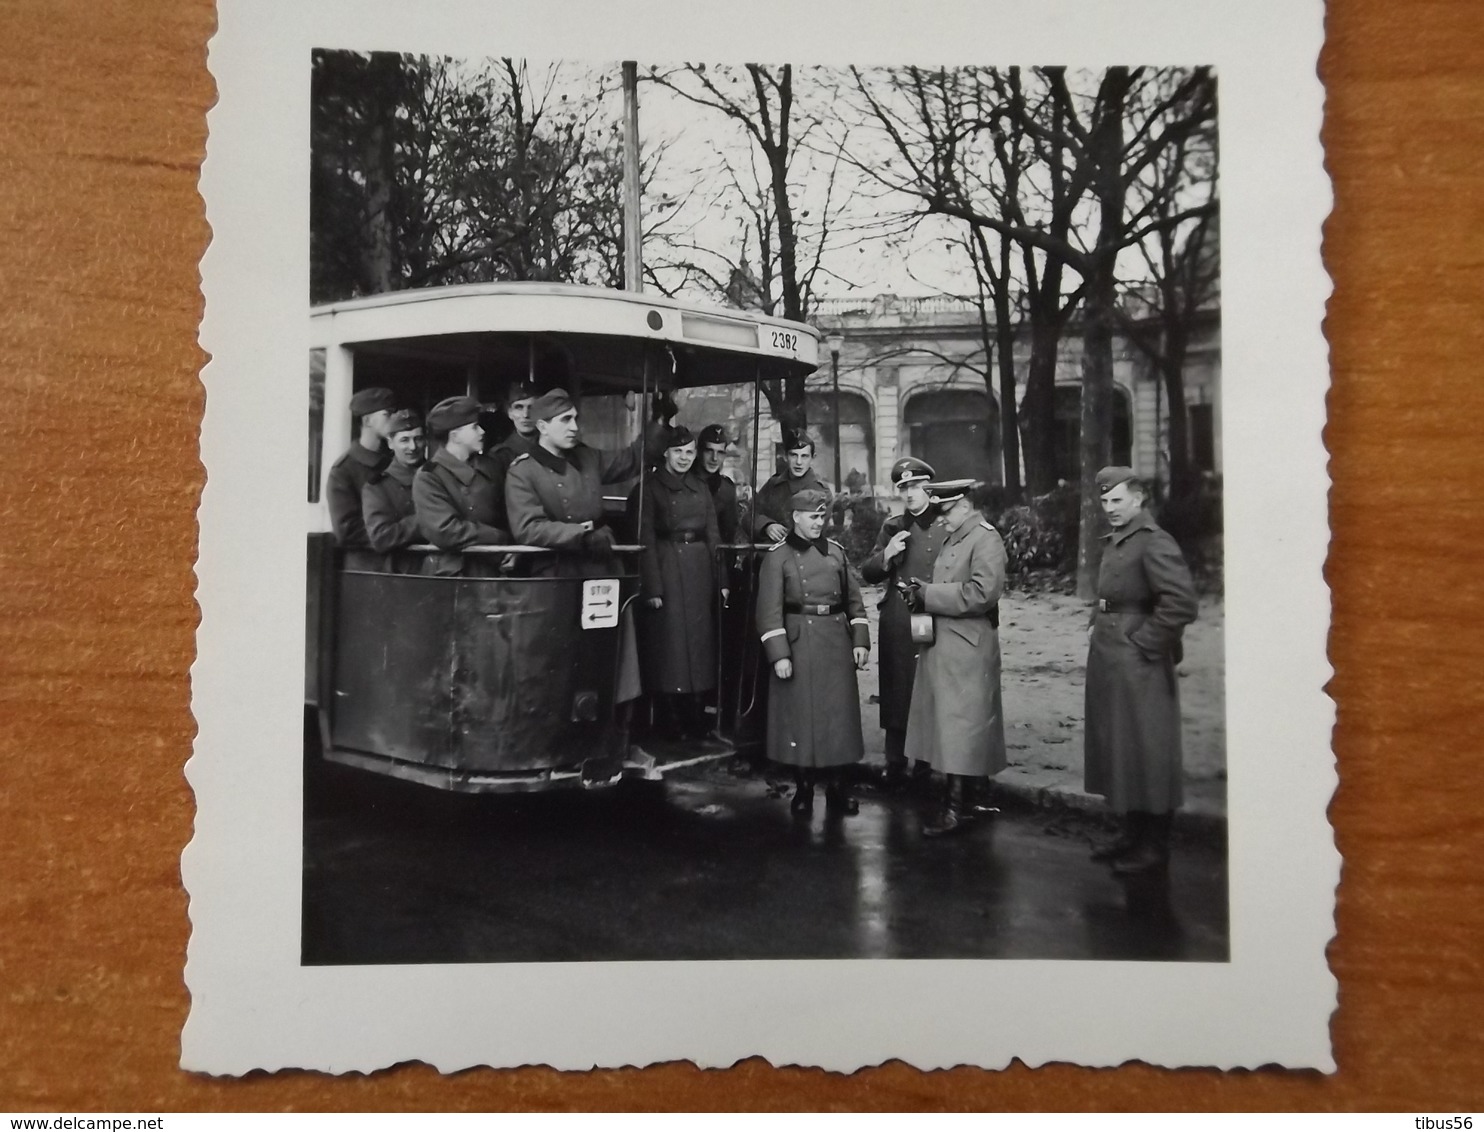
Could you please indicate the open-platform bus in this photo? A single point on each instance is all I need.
(495, 683)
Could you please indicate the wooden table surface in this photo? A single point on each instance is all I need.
(101, 134)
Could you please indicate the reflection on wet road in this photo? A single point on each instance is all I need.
(712, 867)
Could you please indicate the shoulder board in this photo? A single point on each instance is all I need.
(832, 542)
(522, 456)
(988, 526)
(776, 545)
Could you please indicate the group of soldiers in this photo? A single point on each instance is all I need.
(942, 567)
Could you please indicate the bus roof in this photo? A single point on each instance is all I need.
(710, 344)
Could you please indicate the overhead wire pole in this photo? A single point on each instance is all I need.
(633, 260)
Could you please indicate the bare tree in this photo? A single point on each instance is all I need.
(1110, 133)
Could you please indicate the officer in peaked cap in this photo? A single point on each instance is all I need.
(906, 547)
(1145, 598)
(956, 721)
(815, 635)
(457, 492)
(386, 500)
(366, 456)
(770, 508)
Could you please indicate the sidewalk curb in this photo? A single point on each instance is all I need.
(1202, 826)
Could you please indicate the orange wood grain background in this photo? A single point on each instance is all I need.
(101, 134)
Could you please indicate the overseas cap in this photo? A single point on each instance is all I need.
(1110, 477)
(552, 404)
(403, 421)
(452, 413)
(811, 499)
(794, 439)
(909, 469)
(679, 437)
(948, 491)
(375, 400)
(714, 434)
(519, 391)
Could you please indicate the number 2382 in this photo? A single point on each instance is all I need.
(783, 340)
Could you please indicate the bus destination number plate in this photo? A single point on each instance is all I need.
(779, 341)
(600, 603)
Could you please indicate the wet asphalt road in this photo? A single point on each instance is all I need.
(709, 866)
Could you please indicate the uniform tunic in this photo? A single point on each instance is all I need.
(348, 477)
(774, 502)
(390, 514)
(1132, 739)
(898, 652)
(814, 717)
(724, 496)
(455, 502)
(956, 721)
(549, 497)
(504, 454)
(677, 525)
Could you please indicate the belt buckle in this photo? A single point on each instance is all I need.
(1102, 605)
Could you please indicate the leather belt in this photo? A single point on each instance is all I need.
(812, 610)
(683, 536)
(1106, 606)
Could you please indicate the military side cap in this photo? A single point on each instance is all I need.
(811, 499)
(519, 391)
(946, 491)
(909, 469)
(714, 434)
(1110, 477)
(794, 439)
(452, 413)
(552, 404)
(679, 437)
(375, 400)
(404, 420)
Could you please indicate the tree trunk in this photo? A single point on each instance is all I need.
(1038, 409)
(1009, 411)
(1172, 370)
(1106, 151)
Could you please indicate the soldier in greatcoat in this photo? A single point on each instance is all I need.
(366, 456)
(906, 547)
(386, 500)
(956, 721)
(815, 635)
(713, 451)
(770, 507)
(1132, 736)
(677, 629)
(456, 492)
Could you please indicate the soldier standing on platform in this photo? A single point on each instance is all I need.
(677, 527)
(815, 634)
(770, 508)
(956, 721)
(906, 547)
(366, 456)
(386, 500)
(455, 492)
(713, 443)
(1133, 751)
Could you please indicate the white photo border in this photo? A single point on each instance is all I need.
(255, 1007)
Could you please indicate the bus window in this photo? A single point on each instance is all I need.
(316, 419)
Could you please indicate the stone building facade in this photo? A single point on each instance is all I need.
(911, 383)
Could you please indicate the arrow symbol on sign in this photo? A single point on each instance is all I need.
(605, 604)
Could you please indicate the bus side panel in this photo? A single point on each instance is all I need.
(523, 665)
(318, 610)
(394, 663)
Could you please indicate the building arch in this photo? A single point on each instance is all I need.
(956, 430)
(857, 433)
(1068, 409)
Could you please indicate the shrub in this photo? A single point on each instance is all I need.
(1195, 521)
(856, 523)
(1040, 536)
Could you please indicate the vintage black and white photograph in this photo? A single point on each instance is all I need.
(763, 512)
(764, 520)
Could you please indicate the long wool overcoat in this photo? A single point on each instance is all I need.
(957, 721)
(391, 517)
(677, 527)
(814, 717)
(548, 498)
(897, 650)
(456, 509)
(1132, 738)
